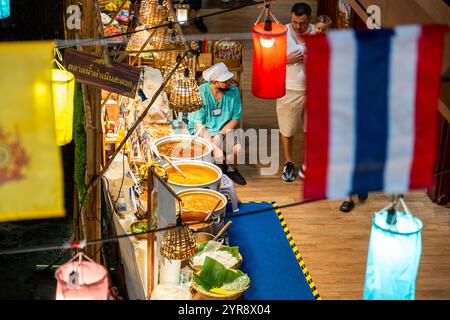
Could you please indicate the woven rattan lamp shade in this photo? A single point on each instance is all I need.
(178, 74)
(172, 41)
(151, 13)
(178, 243)
(138, 39)
(184, 95)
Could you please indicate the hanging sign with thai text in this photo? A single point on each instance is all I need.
(93, 71)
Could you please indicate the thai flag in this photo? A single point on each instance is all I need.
(372, 98)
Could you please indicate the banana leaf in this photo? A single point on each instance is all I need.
(232, 250)
(215, 275)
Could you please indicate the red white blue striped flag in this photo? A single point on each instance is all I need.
(372, 98)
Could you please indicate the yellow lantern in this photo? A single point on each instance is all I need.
(63, 84)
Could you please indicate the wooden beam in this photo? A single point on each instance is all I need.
(90, 30)
(444, 110)
(359, 9)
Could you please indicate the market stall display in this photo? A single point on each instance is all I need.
(185, 163)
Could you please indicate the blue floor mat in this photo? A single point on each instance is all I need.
(270, 257)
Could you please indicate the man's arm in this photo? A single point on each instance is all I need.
(204, 134)
(294, 57)
(230, 125)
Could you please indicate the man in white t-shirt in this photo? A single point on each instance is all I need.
(290, 108)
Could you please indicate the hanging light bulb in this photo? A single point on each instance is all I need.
(81, 279)
(267, 42)
(4, 9)
(182, 12)
(269, 57)
(63, 85)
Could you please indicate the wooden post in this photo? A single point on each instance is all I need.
(89, 30)
(150, 236)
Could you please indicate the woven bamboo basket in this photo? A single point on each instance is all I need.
(213, 296)
(228, 52)
(184, 95)
(151, 14)
(138, 39)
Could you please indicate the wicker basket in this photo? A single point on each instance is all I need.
(151, 14)
(213, 296)
(185, 96)
(228, 52)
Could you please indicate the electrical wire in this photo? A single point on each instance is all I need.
(76, 244)
(166, 24)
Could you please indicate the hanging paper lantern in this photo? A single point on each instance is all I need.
(394, 254)
(81, 280)
(269, 59)
(63, 83)
(4, 9)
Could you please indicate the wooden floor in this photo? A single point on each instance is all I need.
(334, 245)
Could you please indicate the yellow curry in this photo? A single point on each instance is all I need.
(197, 174)
(200, 201)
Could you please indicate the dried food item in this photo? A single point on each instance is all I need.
(158, 130)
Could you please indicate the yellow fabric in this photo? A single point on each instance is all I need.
(31, 180)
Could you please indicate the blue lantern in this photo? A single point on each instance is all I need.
(395, 248)
(4, 9)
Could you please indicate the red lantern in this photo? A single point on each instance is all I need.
(269, 58)
(81, 279)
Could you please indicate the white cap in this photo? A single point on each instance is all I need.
(218, 72)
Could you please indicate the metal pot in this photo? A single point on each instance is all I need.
(205, 156)
(212, 185)
(196, 216)
(219, 212)
(204, 237)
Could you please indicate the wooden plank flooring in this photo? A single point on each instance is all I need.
(333, 244)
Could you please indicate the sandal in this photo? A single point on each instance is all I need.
(347, 206)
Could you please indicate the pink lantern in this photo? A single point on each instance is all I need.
(81, 279)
